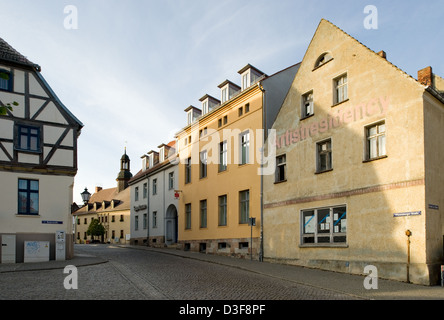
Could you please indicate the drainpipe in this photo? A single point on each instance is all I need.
(261, 248)
(148, 214)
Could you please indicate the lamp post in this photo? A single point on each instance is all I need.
(85, 196)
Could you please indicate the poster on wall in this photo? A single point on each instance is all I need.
(36, 251)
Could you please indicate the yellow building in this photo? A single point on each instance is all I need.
(111, 207)
(219, 170)
(359, 149)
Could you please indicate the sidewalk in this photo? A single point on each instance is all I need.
(339, 282)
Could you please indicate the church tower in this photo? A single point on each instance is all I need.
(124, 175)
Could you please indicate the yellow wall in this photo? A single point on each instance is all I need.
(230, 182)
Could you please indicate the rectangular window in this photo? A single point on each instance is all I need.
(245, 84)
(245, 147)
(324, 156)
(6, 80)
(244, 206)
(341, 90)
(154, 186)
(28, 138)
(203, 213)
(225, 120)
(171, 180)
(224, 94)
(223, 156)
(223, 210)
(240, 111)
(188, 170)
(136, 194)
(154, 219)
(188, 216)
(324, 225)
(145, 221)
(136, 223)
(376, 141)
(28, 197)
(281, 168)
(203, 164)
(145, 190)
(307, 105)
(247, 107)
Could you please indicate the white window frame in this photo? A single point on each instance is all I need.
(340, 88)
(307, 110)
(244, 147)
(378, 137)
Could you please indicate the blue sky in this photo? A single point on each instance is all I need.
(133, 66)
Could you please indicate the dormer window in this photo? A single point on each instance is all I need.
(228, 89)
(249, 76)
(323, 59)
(208, 103)
(192, 114)
(162, 154)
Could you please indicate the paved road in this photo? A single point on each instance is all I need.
(149, 275)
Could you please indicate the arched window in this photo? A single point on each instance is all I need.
(324, 58)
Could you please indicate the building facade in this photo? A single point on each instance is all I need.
(38, 162)
(359, 144)
(111, 207)
(153, 201)
(219, 171)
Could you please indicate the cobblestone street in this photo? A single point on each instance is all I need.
(140, 274)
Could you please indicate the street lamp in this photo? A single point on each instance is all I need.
(85, 196)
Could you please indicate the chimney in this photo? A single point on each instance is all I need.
(383, 54)
(98, 189)
(425, 76)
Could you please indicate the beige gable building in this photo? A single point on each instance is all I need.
(359, 147)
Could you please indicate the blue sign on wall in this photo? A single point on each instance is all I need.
(51, 222)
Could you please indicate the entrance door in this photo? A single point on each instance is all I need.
(171, 225)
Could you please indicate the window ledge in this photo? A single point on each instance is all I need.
(324, 245)
(27, 215)
(306, 117)
(319, 172)
(281, 181)
(374, 159)
(338, 103)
